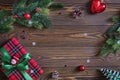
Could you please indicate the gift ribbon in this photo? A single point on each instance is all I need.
(21, 66)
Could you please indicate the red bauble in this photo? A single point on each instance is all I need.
(97, 6)
(41, 71)
(82, 68)
(27, 16)
(15, 16)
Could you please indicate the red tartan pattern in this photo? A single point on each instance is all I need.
(17, 50)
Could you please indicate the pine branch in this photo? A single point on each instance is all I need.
(31, 1)
(29, 13)
(3, 13)
(44, 11)
(38, 21)
(23, 22)
(19, 4)
(112, 44)
(7, 24)
(56, 6)
(113, 29)
(25, 9)
(116, 19)
(45, 3)
(19, 11)
(31, 7)
(43, 19)
(105, 50)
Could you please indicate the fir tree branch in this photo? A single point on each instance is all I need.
(19, 4)
(116, 19)
(56, 6)
(43, 19)
(7, 24)
(3, 13)
(35, 9)
(31, 7)
(112, 44)
(113, 29)
(45, 3)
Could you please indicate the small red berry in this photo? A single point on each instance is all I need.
(41, 71)
(15, 16)
(82, 68)
(27, 16)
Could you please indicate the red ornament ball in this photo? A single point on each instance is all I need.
(82, 68)
(27, 16)
(41, 71)
(15, 16)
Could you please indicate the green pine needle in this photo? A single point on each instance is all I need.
(116, 18)
(112, 44)
(3, 13)
(31, 7)
(6, 24)
(44, 11)
(56, 6)
(38, 17)
(45, 3)
(43, 19)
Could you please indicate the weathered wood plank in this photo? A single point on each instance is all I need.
(98, 62)
(61, 52)
(76, 36)
(71, 74)
(61, 36)
(60, 57)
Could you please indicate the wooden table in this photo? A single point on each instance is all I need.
(70, 42)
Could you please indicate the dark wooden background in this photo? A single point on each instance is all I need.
(70, 42)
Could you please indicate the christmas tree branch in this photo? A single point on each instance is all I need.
(112, 44)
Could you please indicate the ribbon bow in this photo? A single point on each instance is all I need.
(21, 66)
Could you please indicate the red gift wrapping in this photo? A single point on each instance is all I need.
(16, 51)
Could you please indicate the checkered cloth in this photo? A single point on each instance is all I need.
(15, 49)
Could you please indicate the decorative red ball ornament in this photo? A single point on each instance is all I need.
(97, 6)
(41, 71)
(15, 16)
(27, 16)
(82, 68)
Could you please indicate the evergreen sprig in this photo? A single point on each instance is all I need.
(38, 19)
(56, 6)
(6, 22)
(37, 9)
(112, 44)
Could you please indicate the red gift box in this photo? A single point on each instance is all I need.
(16, 52)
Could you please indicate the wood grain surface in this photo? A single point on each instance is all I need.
(70, 42)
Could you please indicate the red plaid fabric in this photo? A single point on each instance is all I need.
(15, 49)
